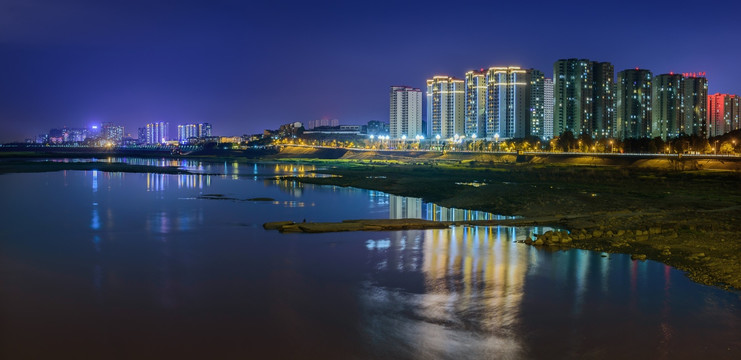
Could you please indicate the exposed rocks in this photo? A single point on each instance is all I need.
(551, 238)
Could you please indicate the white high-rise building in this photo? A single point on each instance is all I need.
(508, 103)
(445, 106)
(156, 133)
(475, 104)
(187, 131)
(548, 108)
(405, 112)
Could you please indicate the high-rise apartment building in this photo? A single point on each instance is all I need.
(548, 108)
(634, 104)
(141, 135)
(667, 106)
(156, 133)
(186, 132)
(445, 106)
(112, 132)
(723, 114)
(199, 131)
(508, 102)
(603, 120)
(475, 101)
(204, 130)
(537, 103)
(695, 97)
(583, 97)
(572, 91)
(405, 113)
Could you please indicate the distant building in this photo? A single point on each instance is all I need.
(548, 108)
(187, 132)
(204, 130)
(405, 112)
(634, 104)
(57, 136)
(582, 97)
(141, 136)
(337, 130)
(291, 129)
(723, 114)
(156, 133)
(375, 127)
(475, 102)
(667, 106)
(112, 132)
(322, 122)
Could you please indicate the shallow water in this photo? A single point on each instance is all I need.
(122, 265)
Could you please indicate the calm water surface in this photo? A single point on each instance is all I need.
(115, 265)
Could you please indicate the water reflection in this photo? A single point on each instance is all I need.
(403, 207)
(470, 301)
(291, 187)
(195, 181)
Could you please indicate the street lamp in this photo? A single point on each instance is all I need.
(496, 141)
(474, 141)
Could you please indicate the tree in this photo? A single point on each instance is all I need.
(726, 147)
(566, 141)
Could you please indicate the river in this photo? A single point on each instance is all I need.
(128, 265)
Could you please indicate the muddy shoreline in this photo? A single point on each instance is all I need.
(687, 219)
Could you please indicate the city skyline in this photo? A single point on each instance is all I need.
(228, 64)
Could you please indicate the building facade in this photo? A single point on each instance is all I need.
(603, 119)
(583, 97)
(695, 97)
(445, 106)
(156, 133)
(376, 127)
(548, 108)
(508, 102)
(667, 106)
(186, 132)
(572, 91)
(405, 112)
(197, 131)
(111, 132)
(537, 103)
(634, 104)
(723, 114)
(475, 100)
(322, 122)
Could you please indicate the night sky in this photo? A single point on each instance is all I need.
(245, 66)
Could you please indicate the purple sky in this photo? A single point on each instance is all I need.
(249, 65)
